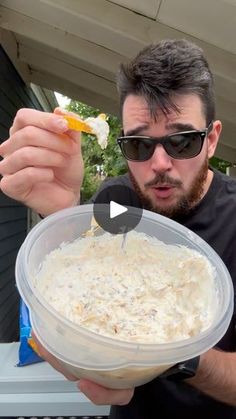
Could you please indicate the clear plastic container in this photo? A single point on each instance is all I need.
(107, 361)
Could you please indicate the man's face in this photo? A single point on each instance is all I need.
(166, 185)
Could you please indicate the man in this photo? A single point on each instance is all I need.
(170, 132)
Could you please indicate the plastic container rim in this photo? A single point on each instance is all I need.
(21, 262)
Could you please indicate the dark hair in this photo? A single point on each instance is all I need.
(163, 70)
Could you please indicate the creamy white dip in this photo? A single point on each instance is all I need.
(100, 128)
(151, 293)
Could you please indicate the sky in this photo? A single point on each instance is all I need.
(62, 100)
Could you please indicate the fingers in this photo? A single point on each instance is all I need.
(60, 111)
(37, 137)
(19, 185)
(31, 157)
(41, 158)
(41, 129)
(44, 120)
(101, 395)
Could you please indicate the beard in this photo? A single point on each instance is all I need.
(185, 202)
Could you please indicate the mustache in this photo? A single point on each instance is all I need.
(162, 179)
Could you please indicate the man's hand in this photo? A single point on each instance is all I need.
(42, 165)
(96, 393)
(105, 396)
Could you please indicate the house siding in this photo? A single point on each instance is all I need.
(14, 94)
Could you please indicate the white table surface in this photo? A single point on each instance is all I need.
(39, 390)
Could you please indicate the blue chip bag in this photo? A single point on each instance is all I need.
(27, 355)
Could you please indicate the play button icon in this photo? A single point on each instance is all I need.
(117, 209)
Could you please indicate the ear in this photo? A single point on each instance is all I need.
(213, 138)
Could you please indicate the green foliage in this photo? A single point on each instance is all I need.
(90, 184)
(98, 163)
(219, 164)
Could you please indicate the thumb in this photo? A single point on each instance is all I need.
(75, 135)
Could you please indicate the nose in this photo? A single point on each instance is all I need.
(160, 160)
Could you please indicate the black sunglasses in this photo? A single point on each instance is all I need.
(179, 145)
